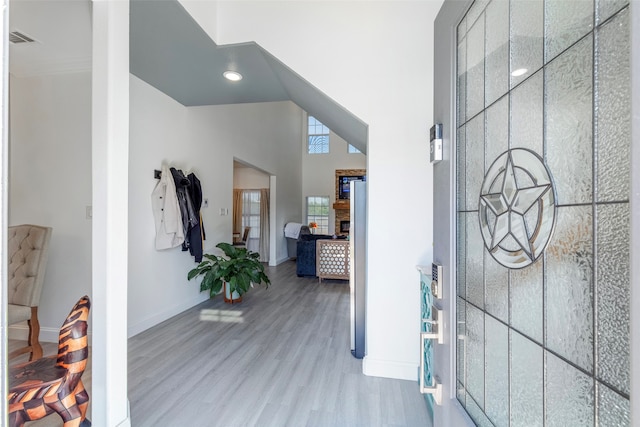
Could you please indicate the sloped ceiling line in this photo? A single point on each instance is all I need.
(176, 56)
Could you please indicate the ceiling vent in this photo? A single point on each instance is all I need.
(18, 37)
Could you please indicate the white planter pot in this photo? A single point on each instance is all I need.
(231, 297)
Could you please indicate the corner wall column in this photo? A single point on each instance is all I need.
(110, 165)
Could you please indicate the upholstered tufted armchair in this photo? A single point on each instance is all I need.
(28, 247)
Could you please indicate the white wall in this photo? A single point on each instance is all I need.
(374, 59)
(50, 184)
(374, 42)
(249, 178)
(265, 135)
(203, 9)
(319, 172)
(203, 140)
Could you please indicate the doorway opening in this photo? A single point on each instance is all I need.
(251, 209)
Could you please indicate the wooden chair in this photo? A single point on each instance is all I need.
(28, 248)
(54, 384)
(245, 237)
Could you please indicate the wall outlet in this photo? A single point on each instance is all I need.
(205, 203)
(89, 212)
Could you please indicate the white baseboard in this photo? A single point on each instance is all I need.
(389, 369)
(141, 326)
(127, 421)
(280, 261)
(21, 332)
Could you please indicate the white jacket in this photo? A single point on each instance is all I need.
(166, 212)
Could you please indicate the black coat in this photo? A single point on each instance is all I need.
(190, 215)
(196, 234)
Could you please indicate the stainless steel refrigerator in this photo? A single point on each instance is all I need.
(358, 265)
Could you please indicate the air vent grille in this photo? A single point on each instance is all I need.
(18, 37)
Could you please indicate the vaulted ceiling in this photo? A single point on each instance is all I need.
(171, 52)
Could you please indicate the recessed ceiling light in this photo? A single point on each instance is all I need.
(519, 72)
(234, 76)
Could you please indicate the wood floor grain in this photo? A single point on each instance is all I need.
(279, 358)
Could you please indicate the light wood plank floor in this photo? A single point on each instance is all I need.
(279, 358)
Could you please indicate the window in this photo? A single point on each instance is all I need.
(354, 150)
(318, 137)
(318, 212)
(251, 217)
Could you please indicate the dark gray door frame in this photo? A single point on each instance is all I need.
(450, 413)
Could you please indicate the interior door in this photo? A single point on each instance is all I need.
(532, 212)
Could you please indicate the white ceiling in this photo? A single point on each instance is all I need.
(171, 52)
(62, 30)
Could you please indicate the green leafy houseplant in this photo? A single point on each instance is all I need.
(239, 268)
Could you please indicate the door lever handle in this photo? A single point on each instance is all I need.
(436, 335)
(435, 389)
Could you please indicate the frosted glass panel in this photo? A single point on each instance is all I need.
(568, 292)
(496, 279)
(475, 68)
(497, 50)
(526, 300)
(475, 11)
(474, 355)
(462, 81)
(606, 8)
(461, 171)
(569, 123)
(526, 382)
(474, 161)
(613, 409)
(461, 393)
(613, 288)
(497, 372)
(476, 414)
(461, 332)
(475, 261)
(496, 131)
(527, 38)
(565, 23)
(569, 395)
(526, 114)
(461, 255)
(462, 29)
(613, 82)
(544, 343)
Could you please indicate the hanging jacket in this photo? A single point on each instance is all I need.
(189, 218)
(196, 233)
(166, 212)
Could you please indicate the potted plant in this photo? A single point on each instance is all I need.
(237, 271)
(313, 225)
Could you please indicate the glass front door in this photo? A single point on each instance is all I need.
(542, 144)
